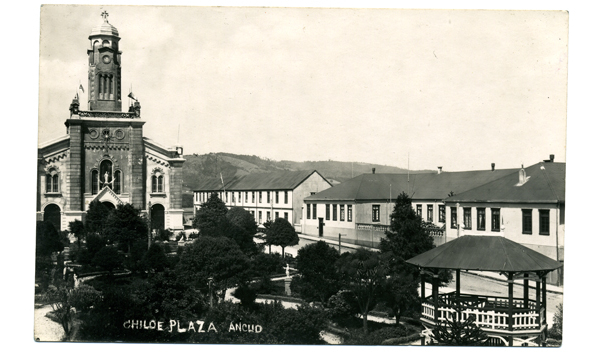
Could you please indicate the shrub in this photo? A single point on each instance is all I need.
(193, 235)
(246, 295)
(556, 329)
(164, 234)
(267, 264)
(84, 297)
(377, 337)
(108, 259)
(180, 235)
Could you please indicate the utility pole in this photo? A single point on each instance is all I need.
(149, 224)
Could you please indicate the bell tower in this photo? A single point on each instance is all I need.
(104, 73)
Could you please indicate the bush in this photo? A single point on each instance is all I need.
(155, 258)
(84, 297)
(180, 235)
(193, 235)
(267, 264)
(164, 234)
(377, 337)
(556, 329)
(246, 295)
(108, 259)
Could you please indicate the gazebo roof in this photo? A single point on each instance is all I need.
(485, 253)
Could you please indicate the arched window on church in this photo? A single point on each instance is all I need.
(95, 54)
(52, 181)
(158, 182)
(117, 182)
(94, 182)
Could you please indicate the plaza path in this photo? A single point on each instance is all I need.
(45, 329)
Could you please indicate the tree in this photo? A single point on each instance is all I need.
(318, 278)
(95, 217)
(242, 228)
(125, 225)
(47, 242)
(400, 294)
(155, 258)
(108, 258)
(217, 260)
(282, 233)
(363, 273)
(211, 216)
(78, 229)
(406, 238)
(455, 332)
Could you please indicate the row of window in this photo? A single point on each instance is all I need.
(260, 214)
(526, 215)
(430, 216)
(331, 212)
(202, 197)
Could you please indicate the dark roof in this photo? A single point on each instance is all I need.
(425, 186)
(545, 183)
(484, 253)
(282, 180)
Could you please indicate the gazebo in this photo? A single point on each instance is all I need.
(508, 320)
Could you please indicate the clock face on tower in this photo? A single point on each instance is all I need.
(106, 59)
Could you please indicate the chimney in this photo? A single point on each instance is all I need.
(493, 166)
(439, 170)
(551, 158)
(373, 170)
(522, 176)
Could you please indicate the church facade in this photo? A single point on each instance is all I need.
(104, 156)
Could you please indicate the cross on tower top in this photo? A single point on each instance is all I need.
(104, 16)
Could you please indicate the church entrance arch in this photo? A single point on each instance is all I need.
(109, 205)
(52, 214)
(158, 217)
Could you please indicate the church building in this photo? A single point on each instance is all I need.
(104, 156)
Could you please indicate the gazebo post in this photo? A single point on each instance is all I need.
(510, 306)
(422, 273)
(435, 295)
(544, 305)
(526, 290)
(458, 286)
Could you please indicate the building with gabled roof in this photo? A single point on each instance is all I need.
(265, 195)
(104, 156)
(526, 206)
(360, 208)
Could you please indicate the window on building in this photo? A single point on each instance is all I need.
(252, 196)
(276, 215)
(429, 213)
(467, 217)
(544, 222)
(239, 196)
(495, 219)
(481, 219)
(314, 211)
(527, 221)
(260, 197)
(342, 213)
(246, 197)
(117, 182)
(285, 197)
(285, 215)
(268, 215)
(233, 197)
(349, 213)
(252, 213)
(268, 197)
(375, 213)
(307, 211)
(52, 181)
(226, 196)
(276, 196)
(453, 217)
(334, 212)
(420, 210)
(442, 214)
(94, 182)
(327, 214)
(259, 216)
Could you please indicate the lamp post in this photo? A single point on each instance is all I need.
(149, 224)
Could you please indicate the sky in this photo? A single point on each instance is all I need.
(408, 88)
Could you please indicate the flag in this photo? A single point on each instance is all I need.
(81, 88)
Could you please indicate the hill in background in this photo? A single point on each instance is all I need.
(211, 165)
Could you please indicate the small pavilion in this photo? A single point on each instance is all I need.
(505, 320)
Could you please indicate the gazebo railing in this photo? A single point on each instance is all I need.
(490, 313)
